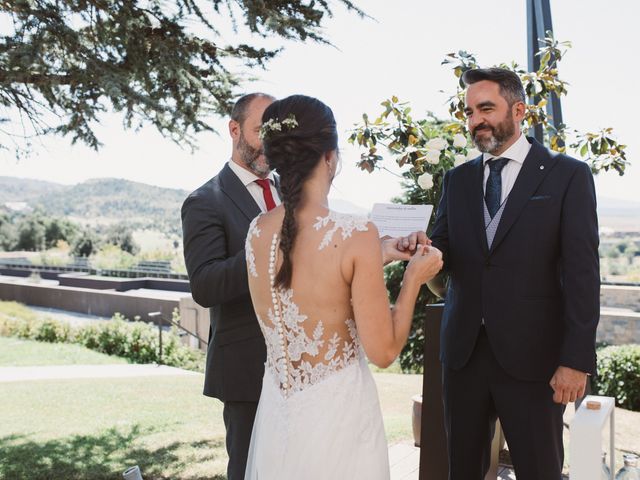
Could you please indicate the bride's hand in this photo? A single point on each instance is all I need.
(424, 264)
(401, 248)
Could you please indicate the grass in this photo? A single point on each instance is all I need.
(95, 429)
(18, 310)
(15, 352)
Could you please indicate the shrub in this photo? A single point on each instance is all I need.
(619, 375)
(135, 341)
(51, 331)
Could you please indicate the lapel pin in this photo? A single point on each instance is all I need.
(541, 167)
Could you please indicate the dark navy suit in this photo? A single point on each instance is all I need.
(516, 310)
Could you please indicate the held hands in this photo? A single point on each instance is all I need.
(568, 384)
(424, 264)
(402, 248)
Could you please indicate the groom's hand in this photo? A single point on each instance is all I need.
(402, 248)
(568, 384)
(411, 242)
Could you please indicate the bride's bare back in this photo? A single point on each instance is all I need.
(309, 328)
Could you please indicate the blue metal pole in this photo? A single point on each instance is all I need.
(538, 24)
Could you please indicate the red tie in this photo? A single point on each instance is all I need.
(265, 184)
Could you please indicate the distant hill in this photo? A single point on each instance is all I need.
(115, 199)
(104, 200)
(109, 200)
(14, 189)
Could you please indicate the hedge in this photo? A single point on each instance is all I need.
(619, 375)
(133, 340)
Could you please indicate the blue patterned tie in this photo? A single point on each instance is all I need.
(493, 190)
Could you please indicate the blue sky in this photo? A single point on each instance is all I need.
(398, 53)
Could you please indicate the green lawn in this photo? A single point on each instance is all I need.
(15, 352)
(95, 429)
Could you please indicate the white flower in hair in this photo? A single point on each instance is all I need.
(274, 125)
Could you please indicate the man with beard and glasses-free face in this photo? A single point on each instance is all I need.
(519, 234)
(215, 220)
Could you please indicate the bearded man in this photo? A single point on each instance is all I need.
(518, 231)
(215, 220)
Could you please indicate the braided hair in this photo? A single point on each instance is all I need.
(294, 153)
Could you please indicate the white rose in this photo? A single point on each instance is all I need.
(459, 159)
(437, 144)
(473, 153)
(459, 140)
(433, 157)
(425, 181)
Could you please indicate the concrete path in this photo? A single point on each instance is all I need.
(59, 372)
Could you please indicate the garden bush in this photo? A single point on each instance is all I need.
(619, 375)
(133, 340)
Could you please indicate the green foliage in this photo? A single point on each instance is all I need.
(28, 326)
(31, 233)
(50, 331)
(110, 256)
(619, 375)
(86, 244)
(7, 232)
(34, 231)
(59, 229)
(64, 63)
(136, 341)
(121, 236)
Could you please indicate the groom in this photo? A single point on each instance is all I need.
(519, 235)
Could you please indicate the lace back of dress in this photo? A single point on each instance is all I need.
(303, 351)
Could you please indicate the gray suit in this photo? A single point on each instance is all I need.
(215, 220)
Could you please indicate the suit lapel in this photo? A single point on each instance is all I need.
(238, 193)
(476, 199)
(535, 168)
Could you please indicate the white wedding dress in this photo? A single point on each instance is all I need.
(319, 416)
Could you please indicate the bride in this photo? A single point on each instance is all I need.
(318, 290)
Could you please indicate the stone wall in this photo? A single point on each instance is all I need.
(615, 296)
(619, 315)
(83, 300)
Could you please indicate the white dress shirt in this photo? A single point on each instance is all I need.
(248, 179)
(516, 153)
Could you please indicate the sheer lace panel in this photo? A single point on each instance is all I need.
(254, 231)
(302, 351)
(341, 221)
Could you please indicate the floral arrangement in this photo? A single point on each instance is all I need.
(275, 125)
